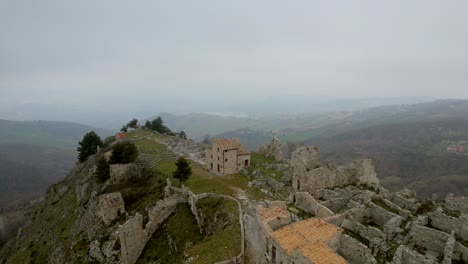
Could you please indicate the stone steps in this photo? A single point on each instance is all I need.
(152, 159)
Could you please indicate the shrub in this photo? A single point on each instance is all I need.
(124, 152)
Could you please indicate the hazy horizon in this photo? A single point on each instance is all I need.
(117, 55)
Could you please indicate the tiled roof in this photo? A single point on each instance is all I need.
(268, 213)
(225, 143)
(242, 150)
(309, 237)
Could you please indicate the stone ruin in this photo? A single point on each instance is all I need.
(308, 174)
(128, 240)
(272, 149)
(377, 226)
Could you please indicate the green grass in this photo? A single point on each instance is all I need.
(138, 134)
(149, 146)
(167, 245)
(260, 162)
(257, 159)
(51, 225)
(166, 167)
(179, 235)
(224, 243)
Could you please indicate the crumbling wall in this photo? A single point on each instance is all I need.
(405, 255)
(132, 238)
(336, 205)
(404, 203)
(307, 174)
(447, 223)
(307, 203)
(379, 215)
(353, 251)
(122, 172)
(367, 232)
(365, 172)
(159, 213)
(428, 238)
(272, 149)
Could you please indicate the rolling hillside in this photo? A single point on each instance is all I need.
(34, 155)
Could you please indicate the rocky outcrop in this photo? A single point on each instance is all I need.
(272, 149)
(110, 206)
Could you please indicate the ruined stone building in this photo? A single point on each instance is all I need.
(272, 149)
(304, 242)
(226, 156)
(308, 174)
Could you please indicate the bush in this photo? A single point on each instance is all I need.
(102, 170)
(124, 152)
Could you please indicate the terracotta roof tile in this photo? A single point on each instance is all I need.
(225, 144)
(309, 237)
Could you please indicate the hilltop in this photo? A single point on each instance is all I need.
(140, 214)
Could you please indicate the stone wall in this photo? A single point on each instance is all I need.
(405, 255)
(122, 172)
(307, 174)
(272, 149)
(367, 232)
(132, 236)
(428, 238)
(336, 205)
(447, 223)
(404, 203)
(379, 215)
(307, 203)
(353, 251)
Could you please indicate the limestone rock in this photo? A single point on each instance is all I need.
(95, 251)
(110, 206)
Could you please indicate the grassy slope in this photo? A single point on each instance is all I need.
(222, 244)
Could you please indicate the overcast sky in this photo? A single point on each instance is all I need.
(141, 52)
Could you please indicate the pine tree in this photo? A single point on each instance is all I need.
(88, 145)
(124, 152)
(183, 171)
